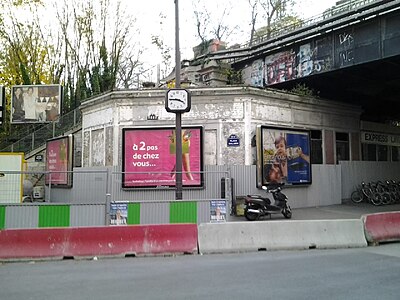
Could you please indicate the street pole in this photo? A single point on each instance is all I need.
(178, 115)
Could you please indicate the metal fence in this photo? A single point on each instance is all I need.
(38, 138)
(94, 190)
(97, 185)
(88, 201)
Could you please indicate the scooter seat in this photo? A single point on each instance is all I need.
(255, 196)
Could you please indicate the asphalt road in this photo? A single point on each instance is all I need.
(362, 273)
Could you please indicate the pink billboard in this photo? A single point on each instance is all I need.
(149, 157)
(59, 161)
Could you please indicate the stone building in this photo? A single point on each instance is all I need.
(222, 111)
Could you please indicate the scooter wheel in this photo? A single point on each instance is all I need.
(26, 199)
(250, 216)
(287, 212)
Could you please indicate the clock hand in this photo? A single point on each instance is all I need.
(176, 99)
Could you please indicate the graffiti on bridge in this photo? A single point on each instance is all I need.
(280, 67)
(317, 56)
(310, 58)
(345, 48)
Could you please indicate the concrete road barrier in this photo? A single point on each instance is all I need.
(98, 241)
(382, 227)
(279, 235)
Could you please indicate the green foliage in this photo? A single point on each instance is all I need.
(101, 78)
(302, 89)
(26, 2)
(23, 58)
(24, 74)
(107, 77)
(82, 90)
(86, 50)
(95, 80)
(233, 76)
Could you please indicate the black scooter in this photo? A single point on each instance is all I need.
(257, 206)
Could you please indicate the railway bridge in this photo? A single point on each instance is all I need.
(350, 55)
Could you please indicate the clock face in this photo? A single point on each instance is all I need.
(177, 100)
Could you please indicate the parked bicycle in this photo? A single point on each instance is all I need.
(365, 192)
(380, 188)
(377, 192)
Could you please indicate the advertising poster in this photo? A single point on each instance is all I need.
(118, 213)
(149, 156)
(283, 156)
(59, 161)
(217, 211)
(35, 103)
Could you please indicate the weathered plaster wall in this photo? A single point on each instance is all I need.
(97, 149)
(222, 111)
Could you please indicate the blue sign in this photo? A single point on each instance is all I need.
(233, 141)
(217, 211)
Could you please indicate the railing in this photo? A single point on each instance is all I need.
(64, 124)
(303, 28)
(331, 12)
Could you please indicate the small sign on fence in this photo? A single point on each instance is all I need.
(217, 211)
(118, 213)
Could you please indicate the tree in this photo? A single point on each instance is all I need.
(274, 14)
(213, 24)
(24, 54)
(94, 56)
(202, 19)
(165, 50)
(86, 49)
(254, 13)
(128, 67)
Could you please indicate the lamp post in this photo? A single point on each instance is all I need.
(178, 115)
(178, 101)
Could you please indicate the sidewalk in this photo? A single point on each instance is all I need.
(348, 210)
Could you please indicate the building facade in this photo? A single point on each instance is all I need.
(223, 112)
